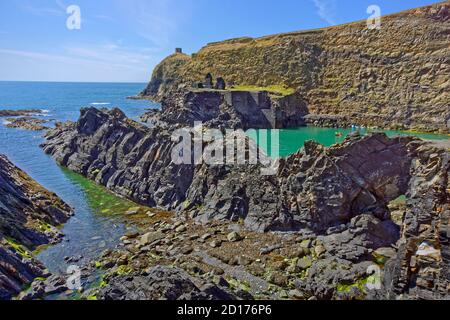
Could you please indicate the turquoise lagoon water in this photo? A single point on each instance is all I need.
(291, 140)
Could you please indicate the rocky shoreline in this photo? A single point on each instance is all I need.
(29, 217)
(348, 221)
(364, 219)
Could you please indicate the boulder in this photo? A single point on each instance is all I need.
(150, 237)
(162, 283)
(234, 237)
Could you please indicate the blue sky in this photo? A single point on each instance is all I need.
(122, 40)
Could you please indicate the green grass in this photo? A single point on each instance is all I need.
(276, 89)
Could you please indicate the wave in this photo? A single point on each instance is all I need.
(100, 103)
(44, 113)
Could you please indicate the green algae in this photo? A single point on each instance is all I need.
(123, 270)
(44, 226)
(361, 284)
(99, 198)
(20, 249)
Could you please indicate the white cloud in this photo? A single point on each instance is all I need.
(96, 63)
(111, 53)
(326, 9)
(156, 20)
(56, 11)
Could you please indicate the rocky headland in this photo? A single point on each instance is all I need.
(395, 77)
(337, 203)
(29, 218)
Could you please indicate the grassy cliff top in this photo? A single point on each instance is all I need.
(398, 72)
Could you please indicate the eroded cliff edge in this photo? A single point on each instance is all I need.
(29, 217)
(340, 196)
(395, 77)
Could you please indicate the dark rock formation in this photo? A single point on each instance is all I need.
(339, 195)
(162, 283)
(361, 175)
(220, 84)
(208, 83)
(422, 267)
(27, 123)
(327, 186)
(231, 109)
(41, 288)
(19, 113)
(29, 215)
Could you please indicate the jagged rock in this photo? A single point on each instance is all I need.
(41, 288)
(165, 75)
(208, 83)
(425, 229)
(230, 109)
(360, 175)
(220, 84)
(162, 283)
(338, 196)
(29, 215)
(27, 123)
(19, 113)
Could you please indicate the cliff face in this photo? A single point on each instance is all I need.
(166, 75)
(229, 109)
(397, 76)
(29, 215)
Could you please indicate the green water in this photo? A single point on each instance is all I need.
(100, 199)
(291, 140)
(98, 224)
